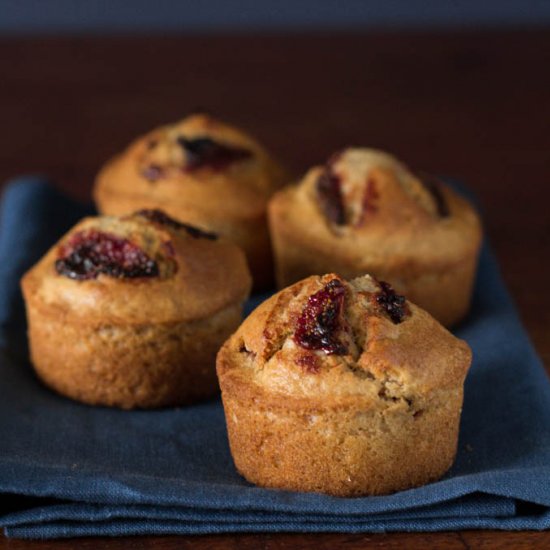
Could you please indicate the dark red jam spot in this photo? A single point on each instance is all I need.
(319, 322)
(152, 172)
(158, 216)
(207, 153)
(89, 253)
(308, 362)
(329, 193)
(433, 186)
(394, 305)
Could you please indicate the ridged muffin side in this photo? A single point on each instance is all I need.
(364, 400)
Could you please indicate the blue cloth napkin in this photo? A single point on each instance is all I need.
(67, 469)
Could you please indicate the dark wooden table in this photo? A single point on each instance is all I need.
(471, 104)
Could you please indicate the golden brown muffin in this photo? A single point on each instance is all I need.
(130, 312)
(342, 388)
(365, 212)
(204, 172)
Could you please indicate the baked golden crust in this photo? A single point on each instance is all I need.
(145, 341)
(424, 239)
(230, 199)
(377, 415)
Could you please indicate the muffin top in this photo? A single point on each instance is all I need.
(199, 161)
(141, 268)
(371, 206)
(326, 342)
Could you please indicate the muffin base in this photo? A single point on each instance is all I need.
(129, 366)
(343, 452)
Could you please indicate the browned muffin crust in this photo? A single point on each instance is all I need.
(342, 388)
(365, 212)
(130, 312)
(204, 172)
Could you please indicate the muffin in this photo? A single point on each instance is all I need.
(343, 388)
(365, 212)
(203, 172)
(130, 312)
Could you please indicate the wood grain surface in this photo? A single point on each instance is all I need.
(474, 105)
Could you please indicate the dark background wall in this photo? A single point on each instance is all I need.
(54, 16)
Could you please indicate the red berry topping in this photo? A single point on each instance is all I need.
(161, 218)
(89, 253)
(329, 193)
(207, 153)
(394, 305)
(320, 321)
